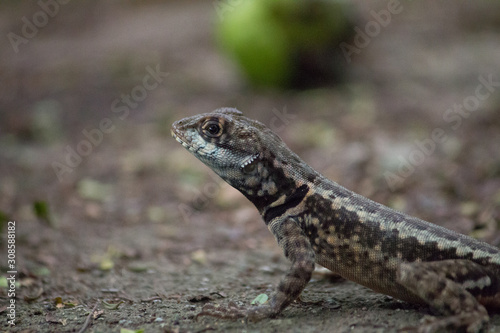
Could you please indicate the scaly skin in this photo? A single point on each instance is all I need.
(315, 220)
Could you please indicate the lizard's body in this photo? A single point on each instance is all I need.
(316, 220)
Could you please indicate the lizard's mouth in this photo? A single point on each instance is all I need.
(176, 136)
(188, 141)
(179, 138)
(185, 142)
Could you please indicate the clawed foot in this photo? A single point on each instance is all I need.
(232, 311)
(466, 322)
(430, 324)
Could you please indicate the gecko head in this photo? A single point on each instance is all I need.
(237, 148)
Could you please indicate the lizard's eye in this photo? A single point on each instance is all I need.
(212, 129)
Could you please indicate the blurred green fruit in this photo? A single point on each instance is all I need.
(257, 42)
(284, 43)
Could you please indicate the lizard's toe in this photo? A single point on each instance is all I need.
(259, 313)
(232, 311)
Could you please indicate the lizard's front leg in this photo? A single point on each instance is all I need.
(298, 250)
(443, 286)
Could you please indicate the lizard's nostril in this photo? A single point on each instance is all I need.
(176, 125)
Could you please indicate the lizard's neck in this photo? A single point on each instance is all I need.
(285, 185)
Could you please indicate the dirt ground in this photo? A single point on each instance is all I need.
(141, 235)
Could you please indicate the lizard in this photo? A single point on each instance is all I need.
(316, 220)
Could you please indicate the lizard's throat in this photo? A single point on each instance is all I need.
(272, 206)
(279, 207)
